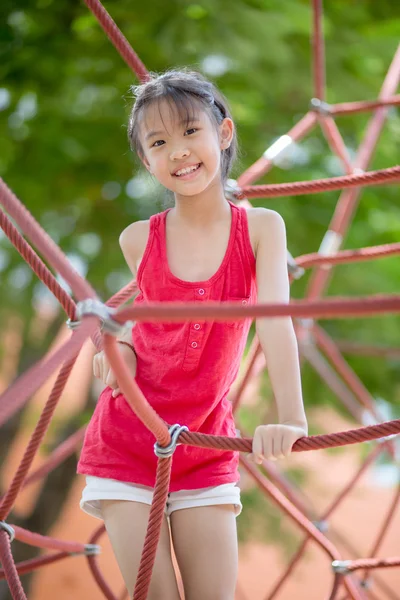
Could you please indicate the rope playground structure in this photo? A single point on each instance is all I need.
(103, 322)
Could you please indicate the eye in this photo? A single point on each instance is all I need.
(158, 143)
(190, 131)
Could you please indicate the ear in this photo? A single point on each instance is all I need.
(145, 162)
(226, 131)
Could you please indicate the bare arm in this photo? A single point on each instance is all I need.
(133, 241)
(276, 335)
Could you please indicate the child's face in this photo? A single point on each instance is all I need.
(184, 157)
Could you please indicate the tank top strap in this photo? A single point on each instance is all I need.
(153, 252)
(243, 237)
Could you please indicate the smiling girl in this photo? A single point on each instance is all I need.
(203, 249)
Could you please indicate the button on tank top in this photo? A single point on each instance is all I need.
(185, 371)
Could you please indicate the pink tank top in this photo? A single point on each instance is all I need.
(185, 371)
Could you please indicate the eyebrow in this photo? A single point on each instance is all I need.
(181, 122)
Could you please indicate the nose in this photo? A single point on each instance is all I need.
(179, 153)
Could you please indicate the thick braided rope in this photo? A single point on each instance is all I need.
(348, 256)
(153, 528)
(48, 248)
(368, 349)
(61, 453)
(47, 542)
(326, 309)
(346, 108)
(335, 141)
(320, 185)
(118, 39)
(373, 563)
(318, 51)
(42, 425)
(9, 567)
(348, 487)
(95, 569)
(35, 440)
(27, 566)
(349, 198)
(354, 383)
(263, 164)
(385, 526)
(37, 265)
(315, 442)
(27, 384)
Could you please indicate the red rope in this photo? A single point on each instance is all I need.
(348, 256)
(321, 309)
(263, 164)
(368, 349)
(37, 265)
(346, 108)
(26, 385)
(94, 567)
(300, 551)
(317, 41)
(51, 252)
(27, 566)
(314, 442)
(349, 198)
(335, 141)
(320, 185)
(10, 570)
(373, 563)
(385, 526)
(120, 42)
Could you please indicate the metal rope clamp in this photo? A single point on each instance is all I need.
(321, 107)
(95, 308)
(10, 530)
(167, 451)
(232, 190)
(89, 550)
(341, 566)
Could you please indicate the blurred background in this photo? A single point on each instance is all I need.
(64, 102)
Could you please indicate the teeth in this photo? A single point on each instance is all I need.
(186, 171)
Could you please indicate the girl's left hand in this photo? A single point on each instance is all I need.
(272, 442)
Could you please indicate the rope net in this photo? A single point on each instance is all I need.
(93, 313)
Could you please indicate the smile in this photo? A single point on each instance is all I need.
(187, 172)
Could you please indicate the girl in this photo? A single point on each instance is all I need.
(204, 248)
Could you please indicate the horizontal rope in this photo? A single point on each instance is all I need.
(345, 108)
(326, 309)
(314, 442)
(27, 566)
(320, 185)
(372, 563)
(348, 256)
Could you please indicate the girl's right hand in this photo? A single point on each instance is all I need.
(102, 369)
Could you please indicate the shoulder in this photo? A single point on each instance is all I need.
(134, 234)
(133, 242)
(266, 226)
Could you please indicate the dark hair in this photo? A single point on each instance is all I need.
(185, 90)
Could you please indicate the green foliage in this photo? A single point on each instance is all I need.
(65, 100)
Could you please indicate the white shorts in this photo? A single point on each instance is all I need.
(100, 488)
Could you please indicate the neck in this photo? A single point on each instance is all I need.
(203, 208)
